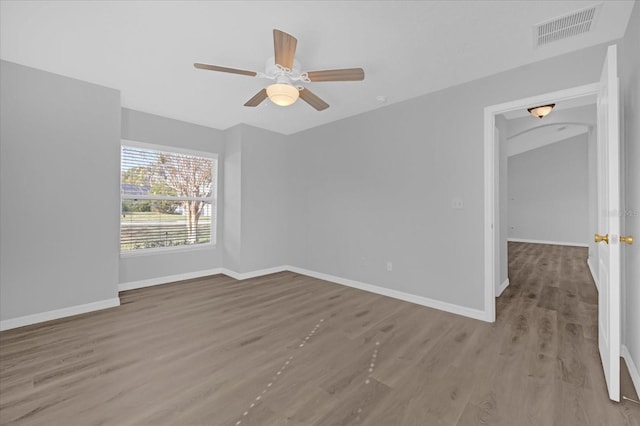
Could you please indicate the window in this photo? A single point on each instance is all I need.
(168, 198)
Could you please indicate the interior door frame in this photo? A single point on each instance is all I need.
(491, 178)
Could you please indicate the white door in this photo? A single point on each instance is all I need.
(609, 224)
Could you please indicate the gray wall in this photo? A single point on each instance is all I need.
(59, 196)
(149, 128)
(378, 187)
(257, 199)
(297, 232)
(232, 201)
(265, 200)
(360, 192)
(549, 193)
(629, 62)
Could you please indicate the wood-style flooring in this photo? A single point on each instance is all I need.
(286, 349)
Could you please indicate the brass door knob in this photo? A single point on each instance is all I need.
(628, 239)
(599, 238)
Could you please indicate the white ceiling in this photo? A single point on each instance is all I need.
(147, 49)
(544, 135)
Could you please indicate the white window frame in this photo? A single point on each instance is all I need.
(212, 199)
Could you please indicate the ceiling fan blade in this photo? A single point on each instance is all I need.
(309, 97)
(225, 69)
(284, 46)
(347, 74)
(257, 99)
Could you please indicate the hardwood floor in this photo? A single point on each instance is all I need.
(286, 349)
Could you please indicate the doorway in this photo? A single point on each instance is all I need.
(547, 179)
(495, 259)
(609, 206)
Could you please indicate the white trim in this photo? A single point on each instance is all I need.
(593, 275)
(528, 143)
(210, 199)
(407, 297)
(555, 243)
(75, 310)
(167, 279)
(58, 313)
(631, 366)
(132, 285)
(167, 148)
(502, 287)
(167, 250)
(490, 177)
(419, 300)
(587, 127)
(252, 274)
(489, 215)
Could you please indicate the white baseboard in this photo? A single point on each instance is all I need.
(58, 313)
(502, 287)
(424, 301)
(252, 274)
(132, 285)
(593, 275)
(555, 243)
(633, 368)
(407, 297)
(419, 300)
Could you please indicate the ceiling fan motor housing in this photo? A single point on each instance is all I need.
(276, 72)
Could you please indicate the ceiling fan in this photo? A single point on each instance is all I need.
(285, 70)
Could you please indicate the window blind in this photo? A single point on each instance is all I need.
(167, 199)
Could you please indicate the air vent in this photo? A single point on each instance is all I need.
(573, 24)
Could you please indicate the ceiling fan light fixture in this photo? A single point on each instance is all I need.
(282, 94)
(541, 111)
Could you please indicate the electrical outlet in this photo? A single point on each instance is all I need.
(457, 203)
(389, 266)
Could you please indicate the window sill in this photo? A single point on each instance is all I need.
(167, 250)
